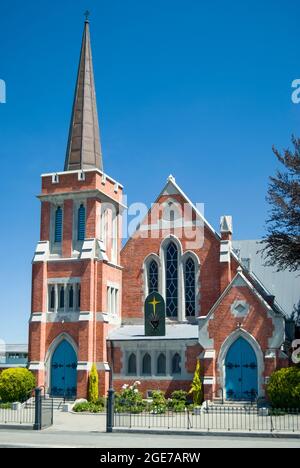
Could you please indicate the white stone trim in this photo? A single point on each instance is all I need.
(66, 280)
(38, 317)
(85, 170)
(270, 354)
(208, 354)
(209, 380)
(240, 332)
(36, 365)
(102, 366)
(86, 316)
(42, 251)
(102, 317)
(84, 365)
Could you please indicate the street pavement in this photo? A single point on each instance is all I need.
(78, 430)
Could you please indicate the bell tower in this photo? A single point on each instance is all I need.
(76, 273)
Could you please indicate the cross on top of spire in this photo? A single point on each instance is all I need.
(87, 15)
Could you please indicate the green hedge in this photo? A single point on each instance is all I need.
(284, 388)
(16, 385)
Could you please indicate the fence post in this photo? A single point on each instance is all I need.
(38, 409)
(110, 410)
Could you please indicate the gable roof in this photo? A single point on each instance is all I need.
(241, 280)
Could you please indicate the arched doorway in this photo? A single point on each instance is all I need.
(64, 371)
(241, 378)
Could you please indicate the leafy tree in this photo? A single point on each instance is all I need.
(196, 387)
(284, 388)
(296, 314)
(93, 385)
(282, 242)
(16, 385)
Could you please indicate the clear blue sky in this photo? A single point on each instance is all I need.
(194, 88)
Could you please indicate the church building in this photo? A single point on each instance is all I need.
(88, 292)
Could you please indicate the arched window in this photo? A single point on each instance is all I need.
(52, 297)
(171, 280)
(153, 277)
(132, 364)
(71, 297)
(58, 225)
(161, 364)
(81, 223)
(176, 364)
(146, 367)
(190, 288)
(62, 297)
(78, 296)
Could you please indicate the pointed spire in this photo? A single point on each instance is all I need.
(84, 148)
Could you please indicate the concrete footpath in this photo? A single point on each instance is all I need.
(78, 430)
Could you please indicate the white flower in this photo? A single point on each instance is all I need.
(137, 382)
(136, 390)
(125, 386)
(131, 388)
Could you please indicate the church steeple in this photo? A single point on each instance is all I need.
(84, 148)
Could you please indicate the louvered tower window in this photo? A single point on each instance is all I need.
(58, 225)
(190, 296)
(172, 280)
(81, 223)
(153, 277)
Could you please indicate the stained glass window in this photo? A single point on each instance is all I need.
(153, 277)
(190, 296)
(171, 280)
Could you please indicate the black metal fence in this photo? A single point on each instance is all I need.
(214, 418)
(37, 412)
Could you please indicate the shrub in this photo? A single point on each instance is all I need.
(284, 388)
(129, 399)
(93, 385)
(5, 405)
(178, 401)
(89, 407)
(159, 403)
(16, 385)
(196, 387)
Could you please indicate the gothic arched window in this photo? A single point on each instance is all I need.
(81, 223)
(176, 361)
(71, 297)
(146, 367)
(161, 364)
(52, 297)
(58, 225)
(190, 288)
(171, 280)
(132, 364)
(62, 297)
(152, 277)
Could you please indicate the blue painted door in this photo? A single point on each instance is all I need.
(241, 371)
(64, 371)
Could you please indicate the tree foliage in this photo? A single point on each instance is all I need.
(282, 242)
(196, 386)
(284, 388)
(93, 385)
(16, 385)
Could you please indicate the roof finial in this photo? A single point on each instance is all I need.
(87, 14)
